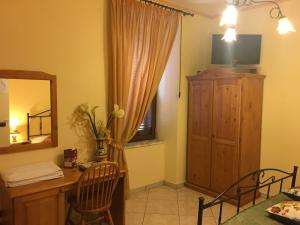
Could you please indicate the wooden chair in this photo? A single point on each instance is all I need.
(94, 194)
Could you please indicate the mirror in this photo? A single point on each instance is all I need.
(28, 112)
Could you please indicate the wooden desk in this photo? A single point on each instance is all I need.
(43, 203)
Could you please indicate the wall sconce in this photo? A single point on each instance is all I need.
(230, 15)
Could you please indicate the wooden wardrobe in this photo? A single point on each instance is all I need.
(224, 128)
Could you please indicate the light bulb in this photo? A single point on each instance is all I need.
(229, 16)
(285, 26)
(230, 35)
(13, 123)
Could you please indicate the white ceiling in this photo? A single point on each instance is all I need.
(209, 8)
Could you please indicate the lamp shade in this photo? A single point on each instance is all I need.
(229, 16)
(285, 26)
(230, 35)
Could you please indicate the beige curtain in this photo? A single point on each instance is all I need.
(142, 38)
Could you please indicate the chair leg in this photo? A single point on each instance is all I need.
(82, 221)
(110, 220)
(68, 215)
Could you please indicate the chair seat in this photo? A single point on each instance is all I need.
(90, 217)
(88, 207)
(94, 194)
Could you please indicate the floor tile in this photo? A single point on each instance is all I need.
(134, 218)
(228, 211)
(139, 195)
(135, 206)
(208, 221)
(207, 198)
(190, 208)
(158, 219)
(192, 220)
(188, 220)
(162, 207)
(188, 194)
(162, 193)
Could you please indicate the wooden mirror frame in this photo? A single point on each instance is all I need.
(35, 75)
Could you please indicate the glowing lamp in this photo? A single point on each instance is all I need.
(229, 17)
(285, 26)
(230, 35)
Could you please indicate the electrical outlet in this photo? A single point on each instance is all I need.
(3, 123)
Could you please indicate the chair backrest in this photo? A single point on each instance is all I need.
(114, 151)
(96, 187)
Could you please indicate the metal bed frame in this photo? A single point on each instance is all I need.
(261, 180)
(40, 116)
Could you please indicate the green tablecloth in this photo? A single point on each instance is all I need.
(257, 215)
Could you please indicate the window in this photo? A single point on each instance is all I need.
(148, 126)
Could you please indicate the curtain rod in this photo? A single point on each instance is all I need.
(167, 7)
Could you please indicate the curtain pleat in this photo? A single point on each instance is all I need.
(142, 39)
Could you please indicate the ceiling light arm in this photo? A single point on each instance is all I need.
(230, 14)
(276, 8)
(275, 12)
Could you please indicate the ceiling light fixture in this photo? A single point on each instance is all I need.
(230, 14)
(230, 35)
(285, 26)
(229, 17)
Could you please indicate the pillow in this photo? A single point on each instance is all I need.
(287, 212)
(38, 139)
(294, 193)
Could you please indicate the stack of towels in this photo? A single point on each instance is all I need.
(31, 174)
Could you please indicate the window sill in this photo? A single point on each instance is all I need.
(139, 144)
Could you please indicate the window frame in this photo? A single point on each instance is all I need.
(144, 135)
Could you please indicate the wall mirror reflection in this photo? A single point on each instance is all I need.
(28, 115)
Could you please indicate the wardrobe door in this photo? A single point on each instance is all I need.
(199, 132)
(226, 123)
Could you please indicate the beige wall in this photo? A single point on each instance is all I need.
(66, 38)
(4, 112)
(280, 62)
(195, 56)
(190, 53)
(146, 164)
(167, 108)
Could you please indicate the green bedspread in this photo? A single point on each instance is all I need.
(257, 215)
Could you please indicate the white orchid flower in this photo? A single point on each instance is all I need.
(116, 107)
(118, 113)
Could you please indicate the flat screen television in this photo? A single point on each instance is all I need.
(244, 51)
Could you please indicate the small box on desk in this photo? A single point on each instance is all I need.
(70, 158)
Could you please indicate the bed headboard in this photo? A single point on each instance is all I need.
(37, 118)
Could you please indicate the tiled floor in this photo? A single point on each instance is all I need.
(166, 206)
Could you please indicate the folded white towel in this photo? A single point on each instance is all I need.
(34, 180)
(31, 173)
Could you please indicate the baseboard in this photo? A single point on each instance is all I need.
(147, 187)
(172, 185)
(157, 184)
